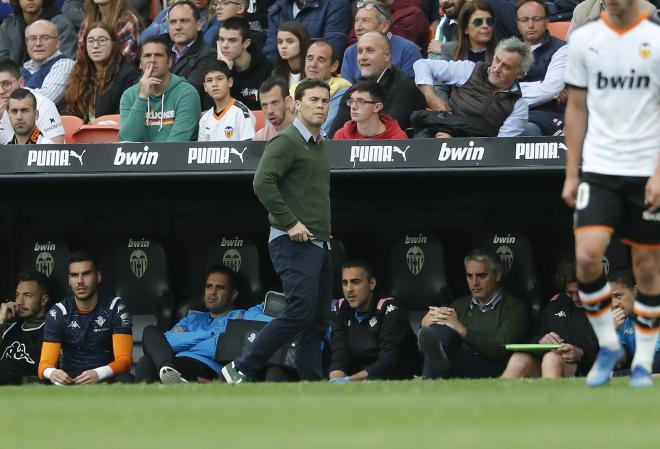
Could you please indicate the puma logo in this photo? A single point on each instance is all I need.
(77, 156)
(402, 153)
(237, 153)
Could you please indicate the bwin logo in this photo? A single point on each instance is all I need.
(138, 262)
(469, 153)
(508, 239)
(231, 242)
(145, 157)
(623, 82)
(214, 155)
(415, 259)
(415, 240)
(144, 243)
(48, 158)
(44, 246)
(376, 153)
(506, 256)
(232, 259)
(539, 151)
(45, 263)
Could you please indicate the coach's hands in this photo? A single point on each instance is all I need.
(87, 377)
(299, 233)
(652, 193)
(570, 353)
(60, 377)
(569, 191)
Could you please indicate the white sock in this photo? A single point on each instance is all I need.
(602, 321)
(645, 339)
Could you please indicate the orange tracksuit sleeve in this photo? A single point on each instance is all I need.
(122, 347)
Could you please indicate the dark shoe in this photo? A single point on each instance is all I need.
(232, 374)
(431, 346)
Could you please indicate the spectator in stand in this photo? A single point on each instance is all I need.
(475, 38)
(467, 339)
(186, 352)
(228, 119)
(210, 24)
(407, 19)
(100, 76)
(485, 100)
(564, 322)
(12, 29)
(292, 44)
(48, 119)
(374, 16)
(366, 100)
(277, 107)
(121, 18)
(249, 69)
(22, 328)
(590, 10)
(47, 71)
(375, 62)
(23, 115)
(624, 293)
(371, 337)
(226, 9)
(543, 85)
(161, 107)
(321, 63)
(324, 19)
(191, 55)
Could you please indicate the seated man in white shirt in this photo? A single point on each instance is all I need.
(490, 94)
(23, 115)
(228, 119)
(47, 71)
(48, 121)
(543, 84)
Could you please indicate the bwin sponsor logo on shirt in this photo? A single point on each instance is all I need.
(469, 153)
(633, 81)
(144, 157)
(376, 153)
(539, 151)
(214, 155)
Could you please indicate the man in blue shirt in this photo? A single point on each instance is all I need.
(186, 352)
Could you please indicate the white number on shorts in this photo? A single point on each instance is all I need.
(582, 200)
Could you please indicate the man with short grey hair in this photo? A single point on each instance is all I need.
(47, 71)
(467, 339)
(487, 93)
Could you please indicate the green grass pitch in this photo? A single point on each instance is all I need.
(416, 414)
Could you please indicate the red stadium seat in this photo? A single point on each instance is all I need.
(110, 119)
(104, 129)
(71, 124)
(559, 29)
(261, 119)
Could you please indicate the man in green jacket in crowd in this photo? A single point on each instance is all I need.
(293, 183)
(161, 107)
(467, 339)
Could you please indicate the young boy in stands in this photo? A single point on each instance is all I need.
(228, 119)
(366, 101)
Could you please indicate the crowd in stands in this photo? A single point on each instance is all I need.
(447, 68)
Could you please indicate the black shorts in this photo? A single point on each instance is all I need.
(616, 204)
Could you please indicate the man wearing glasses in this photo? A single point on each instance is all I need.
(48, 120)
(366, 100)
(48, 70)
(543, 85)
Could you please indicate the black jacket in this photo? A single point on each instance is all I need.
(402, 98)
(246, 83)
(383, 344)
(571, 324)
(192, 64)
(108, 103)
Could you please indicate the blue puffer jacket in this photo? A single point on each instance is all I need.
(325, 19)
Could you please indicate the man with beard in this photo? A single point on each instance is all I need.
(92, 331)
(277, 107)
(185, 353)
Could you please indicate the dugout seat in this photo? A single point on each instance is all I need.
(516, 253)
(49, 257)
(338, 255)
(142, 282)
(71, 124)
(417, 273)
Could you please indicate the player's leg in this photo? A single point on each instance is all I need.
(522, 365)
(646, 267)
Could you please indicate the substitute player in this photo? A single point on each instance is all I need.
(613, 126)
(228, 119)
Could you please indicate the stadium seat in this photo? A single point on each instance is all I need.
(559, 29)
(261, 119)
(71, 124)
(99, 131)
(142, 282)
(241, 255)
(517, 256)
(50, 257)
(417, 273)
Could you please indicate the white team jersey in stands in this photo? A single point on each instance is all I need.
(49, 121)
(621, 71)
(235, 122)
